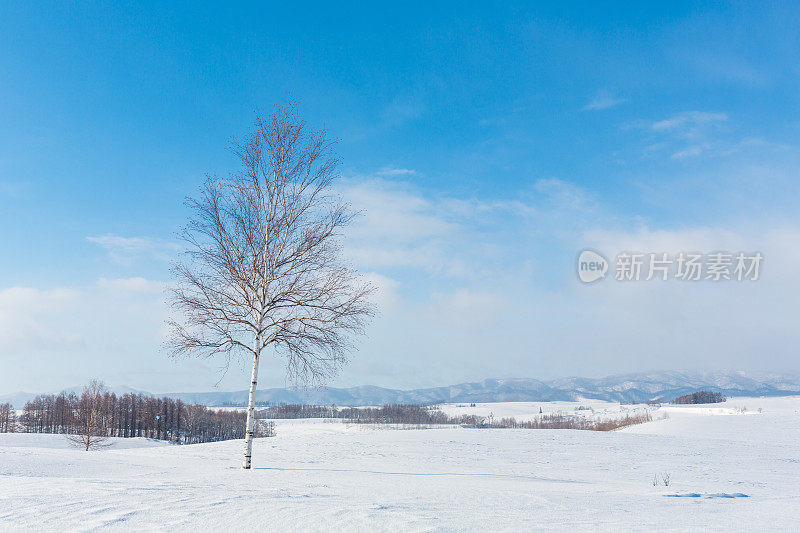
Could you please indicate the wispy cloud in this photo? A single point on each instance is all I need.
(400, 111)
(454, 236)
(602, 100)
(27, 320)
(689, 121)
(126, 249)
(131, 285)
(391, 172)
(100, 329)
(728, 68)
(690, 151)
(400, 226)
(688, 134)
(692, 134)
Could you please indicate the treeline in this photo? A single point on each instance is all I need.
(703, 396)
(561, 421)
(396, 414)
(387, 414)
(293, 411)
(129, 415)
(412, 414)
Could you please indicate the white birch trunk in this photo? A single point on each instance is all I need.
(251, 411)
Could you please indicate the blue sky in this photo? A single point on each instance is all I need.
(486, 145)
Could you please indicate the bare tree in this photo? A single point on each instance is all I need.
(263, 268)
(8, 419)
(89, 417)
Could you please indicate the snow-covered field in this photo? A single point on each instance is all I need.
(729, 471)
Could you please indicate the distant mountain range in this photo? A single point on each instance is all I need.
(620, 388)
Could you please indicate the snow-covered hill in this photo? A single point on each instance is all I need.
(620, 388)
(624, 388)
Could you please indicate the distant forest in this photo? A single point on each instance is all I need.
(702, 396)
(129, 415)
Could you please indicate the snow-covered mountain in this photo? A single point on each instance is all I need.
(623, 388)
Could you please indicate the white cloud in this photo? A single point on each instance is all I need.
(562, 195)
(132, 285)
(471, 287)
(691, 324)
(122, 244)
(400, 111)
(399, 227)
(395, 172)
(385, 296)
(28, 319)
(79, 333)
(125, 249)
(503, 302)
(689, 134)
(723, 66)
(688, 120)
(690, 151)
(466, 308)
(602, 100)
(402, 227)
(669, 241)
(394, 211)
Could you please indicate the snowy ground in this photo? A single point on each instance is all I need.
(322, 475)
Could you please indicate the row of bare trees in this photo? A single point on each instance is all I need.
(97, 414)
(421, 415)
(295, 411)
(387, 414)
(563, 421)
(396, 414)
(429, 415)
